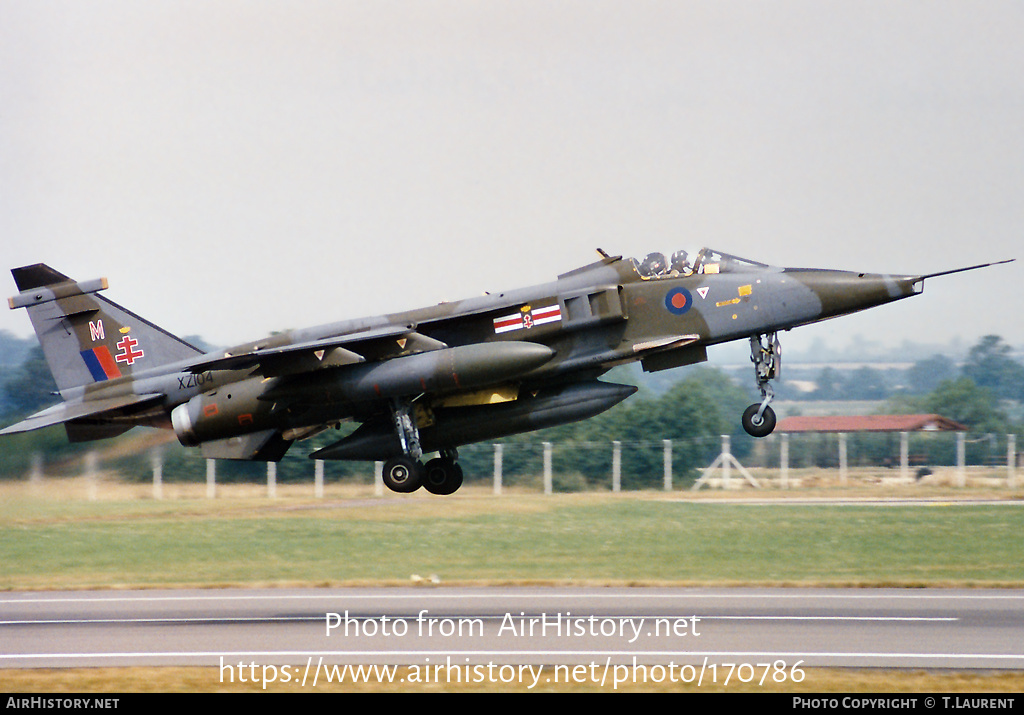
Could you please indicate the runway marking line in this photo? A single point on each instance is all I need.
(493, 653)
(916, 595)
(318, 619)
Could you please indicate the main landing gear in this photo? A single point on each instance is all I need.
(766, 354)
(441, 475)
(406, 473)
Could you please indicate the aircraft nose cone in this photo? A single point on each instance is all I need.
(842, 292)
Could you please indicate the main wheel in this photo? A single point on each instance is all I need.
(758, 427)
(403, 474)
(443, 476)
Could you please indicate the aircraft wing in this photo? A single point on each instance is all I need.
(376, 344)
(68, 411)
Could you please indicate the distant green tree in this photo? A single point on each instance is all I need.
(829, 384)
(969, 404)
(31, 386)
(13, 350)
(990, 365)
(925, 375)
(693, 414)
(865, 383)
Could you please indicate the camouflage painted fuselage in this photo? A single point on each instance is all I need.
(423, 380)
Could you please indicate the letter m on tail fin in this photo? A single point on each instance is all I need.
(87, 338)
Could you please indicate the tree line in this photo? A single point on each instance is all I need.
(989, 364)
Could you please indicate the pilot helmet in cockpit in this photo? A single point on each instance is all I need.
(680, 262)
(654, 265)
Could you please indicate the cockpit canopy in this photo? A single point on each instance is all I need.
(706, 261)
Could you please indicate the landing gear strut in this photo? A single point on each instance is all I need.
(406, 473)
(766, 354)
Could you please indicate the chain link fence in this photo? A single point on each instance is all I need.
(606, 465)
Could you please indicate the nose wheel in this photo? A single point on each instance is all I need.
(766, 354)
(759, 420)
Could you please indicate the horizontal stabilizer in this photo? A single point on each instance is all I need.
(67, 411)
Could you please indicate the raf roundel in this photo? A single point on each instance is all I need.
(678, 301)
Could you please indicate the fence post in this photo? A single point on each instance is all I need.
(1011, 460)
(211, 478)
(318, 478)
(548, 486)
(616, 465)
(961, 459)
(842, 458)
(498, 453)
(726, 460)
(91, 470)
(378, 479)
(156, 459)
(271, 479)
(667, 456)
(904, 456)
(784, 460)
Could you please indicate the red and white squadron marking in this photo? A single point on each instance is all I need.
(528, 318)
(128, 354)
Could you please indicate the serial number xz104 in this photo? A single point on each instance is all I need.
(186, 382)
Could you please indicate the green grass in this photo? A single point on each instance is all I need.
(604, 539)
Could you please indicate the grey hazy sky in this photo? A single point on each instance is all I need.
(238, 167)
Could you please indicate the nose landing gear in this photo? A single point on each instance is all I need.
(766, 354)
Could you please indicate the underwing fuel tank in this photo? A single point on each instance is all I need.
(464, 367)
(455, 426)
(253, 406)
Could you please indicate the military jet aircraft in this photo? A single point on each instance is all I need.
(434, 379)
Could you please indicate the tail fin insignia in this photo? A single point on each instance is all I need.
(101, 364)
(87, 338)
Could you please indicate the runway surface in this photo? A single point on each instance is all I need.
(758, 632)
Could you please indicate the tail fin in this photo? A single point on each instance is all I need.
(86, 338)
